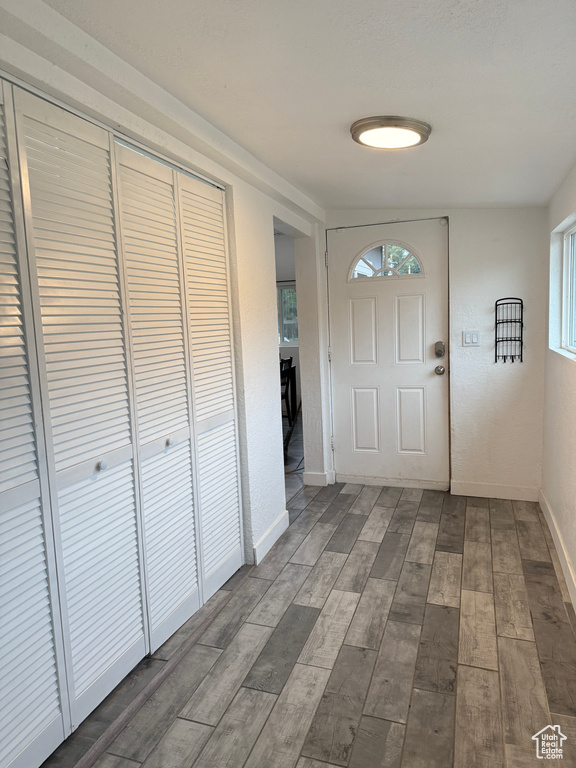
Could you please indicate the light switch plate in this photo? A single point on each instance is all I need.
(470, 338)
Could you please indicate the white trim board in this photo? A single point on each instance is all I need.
(394, 482)
(265, 542)
(493, 491)
(319, 478)
(567, 568)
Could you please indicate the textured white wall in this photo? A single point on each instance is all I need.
(496, 410)
(558, 496)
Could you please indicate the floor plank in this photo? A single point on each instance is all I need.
(275, 663)
(531, 540)
(451, 532)
(152, 721)
(113, 761)
(526, 510)
(477, 567)
(378, 744)
(478, 736)
(315, 590)
(323, 644)
(437, 660)
(273, 605)
(283, 735)
(278, 556)
(238, 730)
(501, 514)
(404, 517)
(212, 697)
(180, 746)
(505, 551)
(346, 534)
(445, 581)
(512, 608)
(335, 723)
(477, 525)
(377, 524)
(329, 492)
(313, 545)
(169, 648)
(410, 596)
(301, 500)
(366, 499)
(389, 694)
(557, 652)
(544, 594)
(422, 543)
(477, 640)
(234, 614)
(308, 518)
(525, 707)
(430, 731)
(355, 572)
(390, 557)
(367, 627)
(389, 496)
(412, 494)
(337, 509)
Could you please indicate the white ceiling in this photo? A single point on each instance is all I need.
(286, 78)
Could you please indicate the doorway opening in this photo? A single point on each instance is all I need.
(289, 357)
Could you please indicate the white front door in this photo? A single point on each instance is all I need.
(388, 287)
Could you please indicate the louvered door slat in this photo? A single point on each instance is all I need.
(210, 330)
(75, 270)
(63, 166)
(170, 540)
(30, 709)
(149, 228)
(204, 315)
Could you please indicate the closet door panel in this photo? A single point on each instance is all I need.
(31, 711)
(73, 258)
(210, 329)
(150, 242)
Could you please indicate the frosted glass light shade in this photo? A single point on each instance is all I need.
(390, 132)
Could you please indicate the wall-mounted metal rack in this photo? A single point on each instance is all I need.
(509, 330)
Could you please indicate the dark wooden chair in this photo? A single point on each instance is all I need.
(285, 384)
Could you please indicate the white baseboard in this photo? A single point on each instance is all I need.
(394, 482)
(493, 491)
(565, 561)
(265, 543)
(319, 478)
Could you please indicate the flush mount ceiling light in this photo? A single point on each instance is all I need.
(390, 132)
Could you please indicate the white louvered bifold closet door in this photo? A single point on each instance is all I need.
(210, 329)
(31, 720)
(150, 241)
(73, 260)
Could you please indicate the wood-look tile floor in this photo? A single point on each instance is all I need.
(387, 628)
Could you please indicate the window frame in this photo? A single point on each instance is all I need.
(568, 331)
(280, 286)
(385, 243)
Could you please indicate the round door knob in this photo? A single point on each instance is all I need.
(439, 370)
(101, 465)
(169, 442)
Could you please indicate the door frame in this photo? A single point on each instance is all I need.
(330, 389)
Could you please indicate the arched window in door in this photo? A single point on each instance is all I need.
(389, 259)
